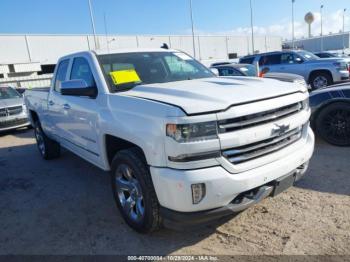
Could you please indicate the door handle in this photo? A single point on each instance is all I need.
(282, 67)
(51, 103)
(66, 106)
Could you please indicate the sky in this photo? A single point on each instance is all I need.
(163, 17)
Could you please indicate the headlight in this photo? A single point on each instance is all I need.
(306, 104)
(184, 133)
(341, 66)
(300, 82)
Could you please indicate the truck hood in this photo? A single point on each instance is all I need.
(11, 102)
(213, 94)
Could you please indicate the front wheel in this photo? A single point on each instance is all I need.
(320, 80)
(134, 192)
(333, 124)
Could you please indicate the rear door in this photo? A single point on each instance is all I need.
(270, 63)
(56, 102)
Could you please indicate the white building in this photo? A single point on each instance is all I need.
(46, 49)
(22, 57)
(326, 43)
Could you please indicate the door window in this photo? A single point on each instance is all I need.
(270, 60)
(288, 58)
(81, 71)
(229, 72)
(61, 74)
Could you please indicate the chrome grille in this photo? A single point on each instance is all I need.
(11, 111)
(3, 112)
(233, 124)
(249, 152)
(16, 110)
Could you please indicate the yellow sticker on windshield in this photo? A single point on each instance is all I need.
(124, 76)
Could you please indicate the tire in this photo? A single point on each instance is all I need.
(133, 191)
(48, 148)
(320, 79)
(333, 124)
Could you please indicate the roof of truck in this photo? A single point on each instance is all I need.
(132, 50)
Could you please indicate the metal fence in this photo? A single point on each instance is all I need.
(27, 82)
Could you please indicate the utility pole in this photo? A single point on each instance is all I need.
(192, 26)
(293, 38)
(321, 12)
(252, 24)
(93, 24)
(106, 30)
(344, 30)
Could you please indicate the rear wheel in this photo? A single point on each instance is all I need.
(320, 79)
(333, 124)
(134, 192)
(48, 148)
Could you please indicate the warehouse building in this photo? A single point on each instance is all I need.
(27, 60)
(326, 43)
(46, 49)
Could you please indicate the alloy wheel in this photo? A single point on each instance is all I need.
(129, 193)
(320, 81)
(337, 125)
(40, 139)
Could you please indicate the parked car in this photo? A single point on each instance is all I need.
(250, 70)
(327, 54)
(183, 145)
(331, 114)
(316, 72)
(334, 55)
(13, 112)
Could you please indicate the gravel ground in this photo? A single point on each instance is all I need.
(65, 206)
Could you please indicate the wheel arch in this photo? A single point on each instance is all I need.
(114, 144)
(324, 105)
(33, 116)
(316, 71)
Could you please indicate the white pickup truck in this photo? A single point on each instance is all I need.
(183, 146)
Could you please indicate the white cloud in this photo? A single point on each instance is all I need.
(331, 23)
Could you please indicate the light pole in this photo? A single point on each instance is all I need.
(252, 25)
(93, 24)
(344, 30)
(321, 12)
(293, 1)
(192, 26)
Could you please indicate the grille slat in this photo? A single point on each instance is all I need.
(11, 111)
(3, 112)
(238, 123)
(252, 151)
(15, 110)
(12, 123)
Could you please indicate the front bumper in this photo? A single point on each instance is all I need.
(173, 186)
(13, 123)
(340, 76)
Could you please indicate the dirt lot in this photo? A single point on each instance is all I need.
(65, 206)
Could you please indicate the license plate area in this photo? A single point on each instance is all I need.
(283, 183)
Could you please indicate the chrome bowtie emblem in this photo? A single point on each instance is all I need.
(280, 130)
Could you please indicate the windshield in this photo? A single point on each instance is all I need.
(125, 70)
(248, 70)
(8, 92)
(307, 55)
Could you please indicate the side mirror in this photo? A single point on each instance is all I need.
(299, 60)
(78, 87)
(215, 71)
